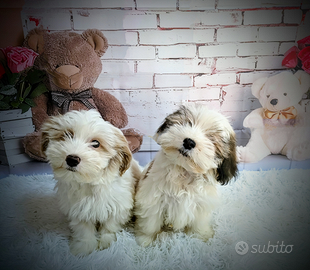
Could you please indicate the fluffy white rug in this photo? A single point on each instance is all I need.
(268, 210)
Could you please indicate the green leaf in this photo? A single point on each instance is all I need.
(8, 90)
(24, 107)
(39, 90)
(30, 102)
(35, 76)
(1, 97)
(13, 78)
(27, 91)
(15, 104)
(4, 106)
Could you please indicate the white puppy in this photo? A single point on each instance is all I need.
(177, 190)
(95, 175)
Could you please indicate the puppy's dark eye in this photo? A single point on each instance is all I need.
(285, 94)
(95, 144)
(268, 96)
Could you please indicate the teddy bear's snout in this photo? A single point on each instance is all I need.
(274, 101)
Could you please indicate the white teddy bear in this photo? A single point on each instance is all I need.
(281, 126)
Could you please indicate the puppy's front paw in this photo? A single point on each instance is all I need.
(144, 240)
(207, 234)
(106, 239)
(85, 247)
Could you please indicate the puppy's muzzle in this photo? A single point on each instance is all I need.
(72, 161)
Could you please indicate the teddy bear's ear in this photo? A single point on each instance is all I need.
(258, 85)
(35, 40)
(97, 40)
(304, 80)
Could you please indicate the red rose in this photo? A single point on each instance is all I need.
(306, 65)
(290, 59)
(19, 58)
(2, 71)
(303, 42)
(304, 54)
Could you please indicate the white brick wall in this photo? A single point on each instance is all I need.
(169, 52)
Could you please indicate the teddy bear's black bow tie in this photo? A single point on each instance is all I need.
(63, 99)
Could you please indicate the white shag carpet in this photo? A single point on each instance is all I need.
(268, 210)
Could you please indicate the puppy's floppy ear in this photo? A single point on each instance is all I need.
(50, 129)
(228, 168)
(44, 141)
(124, 156)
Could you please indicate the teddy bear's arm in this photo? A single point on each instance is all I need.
(110, 108)
(254, 119)
(39, 112)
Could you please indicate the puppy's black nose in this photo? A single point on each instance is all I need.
(274, 101)
(73, 161)
(188, 144)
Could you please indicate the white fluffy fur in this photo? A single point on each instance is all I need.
(178, 188)
(97, 195)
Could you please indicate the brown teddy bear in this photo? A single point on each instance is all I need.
(72, 63)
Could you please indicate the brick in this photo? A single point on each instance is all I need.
(142, 96)
(246, 49)
(246, 4)
(285, 46)
(292, 16)
(147, 117)
(218, 50)
(286, 33)
(235, 118)
(112, 19)
(175, 66)
(156, 5)
(207, 93)
(250, 77)
(305, 5)
(235, 63)
(231, 105)
(303, 29)
(117, 67)
(234, 92)
(129, 52)
(215, 79)
(211, 104)
(121, 95)
(173, 80)
(198, 19)
(136, 81)
(171, 95)
(167, 37)
(121, 37)
(240, 34)
(51, 19)
(196, 4)
(262, 17)
(80, 4)
(269, 62)
(177, 51)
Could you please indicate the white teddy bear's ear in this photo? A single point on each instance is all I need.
(258, 85)
(304, 80)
